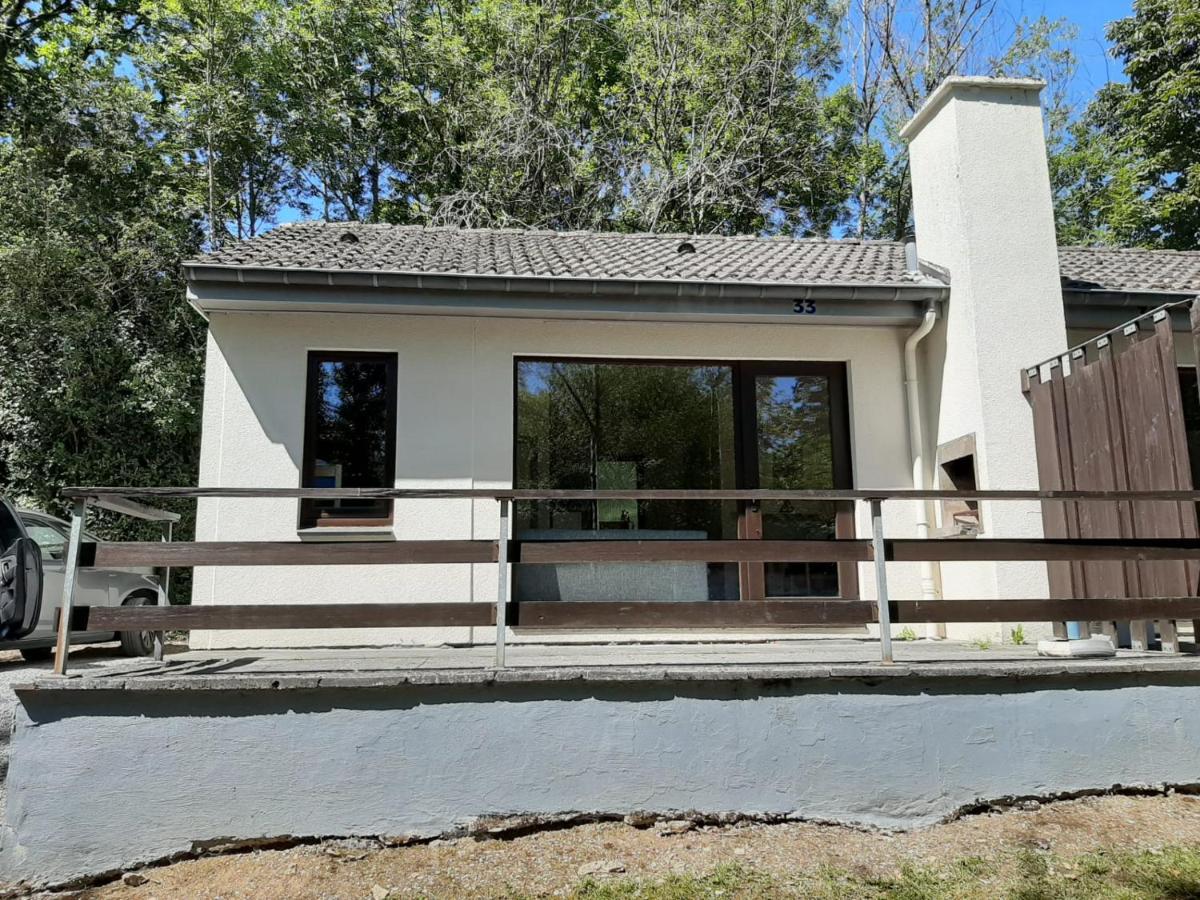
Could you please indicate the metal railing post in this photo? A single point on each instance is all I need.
(164, 598)
(502, 585)
(881, 588)
(70, 576)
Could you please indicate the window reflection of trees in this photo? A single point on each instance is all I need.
(671, 425)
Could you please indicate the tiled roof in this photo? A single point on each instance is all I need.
(1111, 269)
(589, 256)
(571, 254)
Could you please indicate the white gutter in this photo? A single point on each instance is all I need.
(916, 438)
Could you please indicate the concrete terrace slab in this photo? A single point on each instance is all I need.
(534, 663)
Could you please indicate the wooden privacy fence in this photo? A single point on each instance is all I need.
(504, 551)
(1108, 416)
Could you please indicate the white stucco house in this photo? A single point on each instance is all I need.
(373, 355)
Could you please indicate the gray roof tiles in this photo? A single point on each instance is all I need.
(747, 260)
(1112, 269)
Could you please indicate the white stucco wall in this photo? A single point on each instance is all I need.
(982, 204)
(455, 426)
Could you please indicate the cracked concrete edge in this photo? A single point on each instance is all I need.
(250, 681)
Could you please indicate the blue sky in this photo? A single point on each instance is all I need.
(1090, 17)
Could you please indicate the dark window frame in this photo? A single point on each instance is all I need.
(310, 516)
(744, 372)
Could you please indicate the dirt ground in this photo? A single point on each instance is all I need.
(554, 863)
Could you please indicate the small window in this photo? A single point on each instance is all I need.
(50, 539)
(350, 435)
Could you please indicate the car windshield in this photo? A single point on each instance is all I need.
(50, 539)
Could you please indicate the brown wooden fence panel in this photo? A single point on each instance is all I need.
(1112, 419)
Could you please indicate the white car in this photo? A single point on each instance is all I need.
(30, 592)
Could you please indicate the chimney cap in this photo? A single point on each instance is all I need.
(958, 84)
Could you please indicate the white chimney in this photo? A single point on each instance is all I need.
(983, 210)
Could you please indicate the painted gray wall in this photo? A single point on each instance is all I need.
(103, 779)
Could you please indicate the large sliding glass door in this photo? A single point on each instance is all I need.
(631, 424)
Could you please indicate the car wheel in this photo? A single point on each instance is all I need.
(38, 654)
(138, 643)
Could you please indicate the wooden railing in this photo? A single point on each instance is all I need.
(647, 613)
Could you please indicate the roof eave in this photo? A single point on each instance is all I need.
(197, 271)
(1100, 296)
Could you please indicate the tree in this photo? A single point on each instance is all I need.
(206, 61)
(726, 121)
(100, 355)
(1138, 177)
(22, 22)
(1098, 196)
(900, 50)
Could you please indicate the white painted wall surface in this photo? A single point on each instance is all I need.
(982, 204)
(455, 429)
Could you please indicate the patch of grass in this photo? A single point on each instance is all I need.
(728, 881)
(1170, 874)
(1018, 635)
(981, 644)
(907, 634)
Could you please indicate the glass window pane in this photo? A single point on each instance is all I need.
(795, 452)
(351, 432)
(51, 541)
(613, 426)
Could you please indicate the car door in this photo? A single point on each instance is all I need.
(92, 588)
(53, 544)
(20, 578)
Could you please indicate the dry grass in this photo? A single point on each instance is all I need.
(1110, 847)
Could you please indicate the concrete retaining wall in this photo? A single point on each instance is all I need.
(101, 779)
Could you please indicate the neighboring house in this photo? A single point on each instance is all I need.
(373, 355)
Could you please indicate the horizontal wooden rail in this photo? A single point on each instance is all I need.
(623, 614)
(282, 615)
(302, 553)
(1019, 549)
(532, 494)
(1056, 610)
(287, 553)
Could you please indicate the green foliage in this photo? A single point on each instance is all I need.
(700, 116)
(1128, 173)
(100, 362)
(907, 634)
(1153, 120)
(1018, 635)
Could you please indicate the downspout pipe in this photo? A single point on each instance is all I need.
(916, 429)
